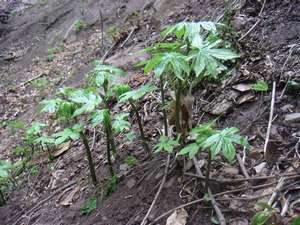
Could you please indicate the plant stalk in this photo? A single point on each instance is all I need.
(2, 199)
(163, 102)
(142, 133)
(89, 157)
(178, 107)
(208, 171)
(108, 152)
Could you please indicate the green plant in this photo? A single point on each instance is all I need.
(265, 213)
(215, 142)
(111, 186)
(133, 97)
(68, 108)
(5, 167)
(89, 206)
(131, 160)
(260, 86)
(40, 84)
(295, 221)
(105, 78)
(79, 25)
(113, 32)
(166, 144)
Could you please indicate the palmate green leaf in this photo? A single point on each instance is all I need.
(97, 117)
(65, 110)
(224, 141)
(5, 166)
(203, 132)
(44, 140)
(120, 122)
(137, 94)
(106, 73)
(260, 86)
(121, 89)
(87, 101)
(67, 134)
(166, 144)
(35, 128)
(207, 58)
(191, 150)
(50, 106)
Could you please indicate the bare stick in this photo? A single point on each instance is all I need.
(158, 192)
(262, 8)
(250, 30)
(30, 80)
(129, 36)
(219, 213)
(270, 118)
(277, 189)
(242, 165)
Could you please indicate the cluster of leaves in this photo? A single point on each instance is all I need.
(79, 25)
(260, 86)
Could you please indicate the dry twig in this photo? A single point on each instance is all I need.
(270, 118)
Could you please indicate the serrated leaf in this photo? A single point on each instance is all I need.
(137, 94)
(66, 135)
(50, 106)
(166, 144)
(120, 122)
(191, 150)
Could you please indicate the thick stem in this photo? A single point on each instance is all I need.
(178, 107)
(163, 102)
(108, 152)
(2, 199)
(142, 133)
(89, 157)
(208, 171)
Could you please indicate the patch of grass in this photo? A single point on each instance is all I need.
(131, 160)
(40, 84)
(113, 32)
(260, 86)
(79, 25)
(89, 206)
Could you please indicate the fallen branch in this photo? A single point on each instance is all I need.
(129, 36)
(270, 118)
(219, 213)
(242, 165)
(158, 192)
(250, 30)
(29, 81)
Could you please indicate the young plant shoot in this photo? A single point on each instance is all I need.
(69, 108)
(215, 142)
(133, 97)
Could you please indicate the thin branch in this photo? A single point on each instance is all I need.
(250, 30)
(158, 192)
(270, 118)
(218, 211)
(129, 36)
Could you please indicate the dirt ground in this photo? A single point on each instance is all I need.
(270, 51)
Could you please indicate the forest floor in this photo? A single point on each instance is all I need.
(40, 52)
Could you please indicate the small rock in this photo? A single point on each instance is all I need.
(246, 98)
(130, 183)
(287, 108)
(259, 168)
(242, 87)
(124, 167)
(231, 170)
(292, 117)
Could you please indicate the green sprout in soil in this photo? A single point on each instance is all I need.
(133, 97)
(260, 86)
(79, 25)
(89, 206)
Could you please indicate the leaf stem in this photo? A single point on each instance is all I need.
(2, 199)
(177, 107)
(163, 102)
(89, 157)
(108, 151)
(142, 133)
(207, 178)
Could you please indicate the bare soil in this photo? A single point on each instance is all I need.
(270, 52)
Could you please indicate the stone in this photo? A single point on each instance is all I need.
(292, 117)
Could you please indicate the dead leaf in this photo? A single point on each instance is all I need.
(246, 98)
(178, 217)
(259, 168)
(242, 87)
(62, 149)
(67, 201)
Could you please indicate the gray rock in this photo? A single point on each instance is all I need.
(292, 117)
